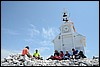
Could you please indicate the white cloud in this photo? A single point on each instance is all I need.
(29, 41)
(33, 31)
(33, 26)
(45, 43)
(48, 33)
(9, 31)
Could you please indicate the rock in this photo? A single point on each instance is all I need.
(18, 60)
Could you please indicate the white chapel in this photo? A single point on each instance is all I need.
(68, 37)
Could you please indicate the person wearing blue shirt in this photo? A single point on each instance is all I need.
(67, 55)
(75, 53)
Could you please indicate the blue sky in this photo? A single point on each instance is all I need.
(36, 24)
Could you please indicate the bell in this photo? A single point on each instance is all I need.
(64, 15)
(66, 19)
(63, 19)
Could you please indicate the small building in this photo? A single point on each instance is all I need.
(68, 37)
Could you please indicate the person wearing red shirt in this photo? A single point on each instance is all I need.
(61, 55)
(25, 51)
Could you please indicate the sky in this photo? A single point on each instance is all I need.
(36, 24)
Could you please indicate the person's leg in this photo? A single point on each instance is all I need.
(77, 57)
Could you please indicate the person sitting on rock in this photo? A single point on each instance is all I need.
(81, 55)
(55, 56)
(36, 54)
(75, 53)
(25, 51)
(61, 55)
(67, 55)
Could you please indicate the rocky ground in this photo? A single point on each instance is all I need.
(17, 60)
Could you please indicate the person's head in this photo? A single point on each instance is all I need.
(81, 52)
(36, 50)
(66, 51)
(56, 51)
(27, 47)
(61, 52)
(73, 49)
